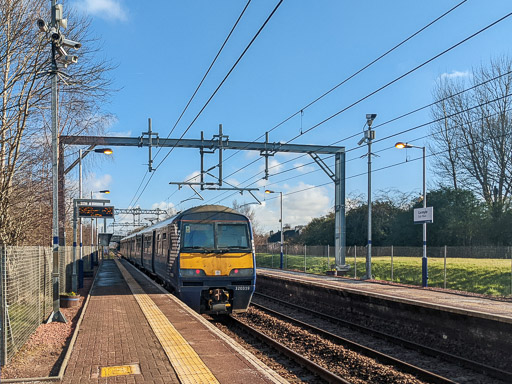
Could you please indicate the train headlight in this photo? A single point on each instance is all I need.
(192, 272)
(241, 272)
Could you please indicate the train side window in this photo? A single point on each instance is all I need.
(164, 235)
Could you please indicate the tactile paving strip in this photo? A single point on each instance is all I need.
(188, 365)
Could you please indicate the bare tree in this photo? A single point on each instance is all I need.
(472, 138)
(25, 134)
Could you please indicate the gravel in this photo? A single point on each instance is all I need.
(43, 353)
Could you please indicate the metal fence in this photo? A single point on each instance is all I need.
(486, 270)
(26, 291)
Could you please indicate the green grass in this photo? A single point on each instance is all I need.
(485, 276)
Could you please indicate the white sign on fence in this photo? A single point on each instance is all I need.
(423, 215)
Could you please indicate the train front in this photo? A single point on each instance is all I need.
(216, 263)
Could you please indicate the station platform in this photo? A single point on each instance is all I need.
(437, 299)
(133, 331)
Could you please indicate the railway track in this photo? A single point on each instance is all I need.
(308, 364)
(436, 366)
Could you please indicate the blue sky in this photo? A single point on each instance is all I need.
(163, 48)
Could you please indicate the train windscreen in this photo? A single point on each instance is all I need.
(216, 236)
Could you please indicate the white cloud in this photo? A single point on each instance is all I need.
(166, 206)
(121, 134)
(273, 166)
(194, 177)
(106, 9)
(97, 184)
(303, 168)
(232, 181)
(298, 208)
(455, 74)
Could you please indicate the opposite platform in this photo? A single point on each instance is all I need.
(450, 301)
(133, 332)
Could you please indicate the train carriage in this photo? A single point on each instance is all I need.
(205, 254)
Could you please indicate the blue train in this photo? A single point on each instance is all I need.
(204, 254)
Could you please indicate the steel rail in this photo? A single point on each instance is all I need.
(473, 365)
(306, 363)
(369, 352)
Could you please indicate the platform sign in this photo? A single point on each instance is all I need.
(95, 211)
(423, 215)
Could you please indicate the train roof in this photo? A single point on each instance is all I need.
(169, 220)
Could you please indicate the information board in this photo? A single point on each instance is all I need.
(95, 211)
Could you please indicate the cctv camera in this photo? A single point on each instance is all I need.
(70, 59)
(41, 24)
(55, 36)
(62, 52)
(71, 44)
(371, 116)
(361, 141)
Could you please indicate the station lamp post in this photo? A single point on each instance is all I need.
(81, 155)
(424, 263)
(281, 259)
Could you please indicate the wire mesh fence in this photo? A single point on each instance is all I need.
(26, 295)
(486, 270)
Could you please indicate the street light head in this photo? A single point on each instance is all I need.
(105, 191)
(106, 151)
(268, 191)
(401, 145)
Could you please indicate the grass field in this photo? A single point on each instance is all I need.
(485, 276)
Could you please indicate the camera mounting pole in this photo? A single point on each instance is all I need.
(58, 55)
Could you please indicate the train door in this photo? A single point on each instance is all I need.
(153, 246)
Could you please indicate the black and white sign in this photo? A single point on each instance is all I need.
(423, 215)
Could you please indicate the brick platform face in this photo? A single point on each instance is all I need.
(115, 332)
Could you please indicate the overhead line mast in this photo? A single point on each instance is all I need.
(221, 142)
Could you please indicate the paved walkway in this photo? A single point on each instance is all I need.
(118, 338)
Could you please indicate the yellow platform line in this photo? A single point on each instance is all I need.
(188, 365)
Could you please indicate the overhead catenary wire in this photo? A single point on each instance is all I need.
(388, 137)
(400, 77)
(395, 80)
(197, 88)
(301, 110)
(375, 170)
(393, 135)
(404, 75)
(213, 94)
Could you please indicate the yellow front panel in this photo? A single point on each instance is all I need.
(216, 264)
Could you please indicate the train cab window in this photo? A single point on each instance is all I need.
(232, 236)
(198, 235)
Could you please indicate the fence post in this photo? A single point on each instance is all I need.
(3, 317)
(392, 271)
(444, 285)
(305, 246)
(328, 259)
(355, 261)
(510, 254)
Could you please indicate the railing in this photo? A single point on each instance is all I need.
(26, 291)
(485, 270)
